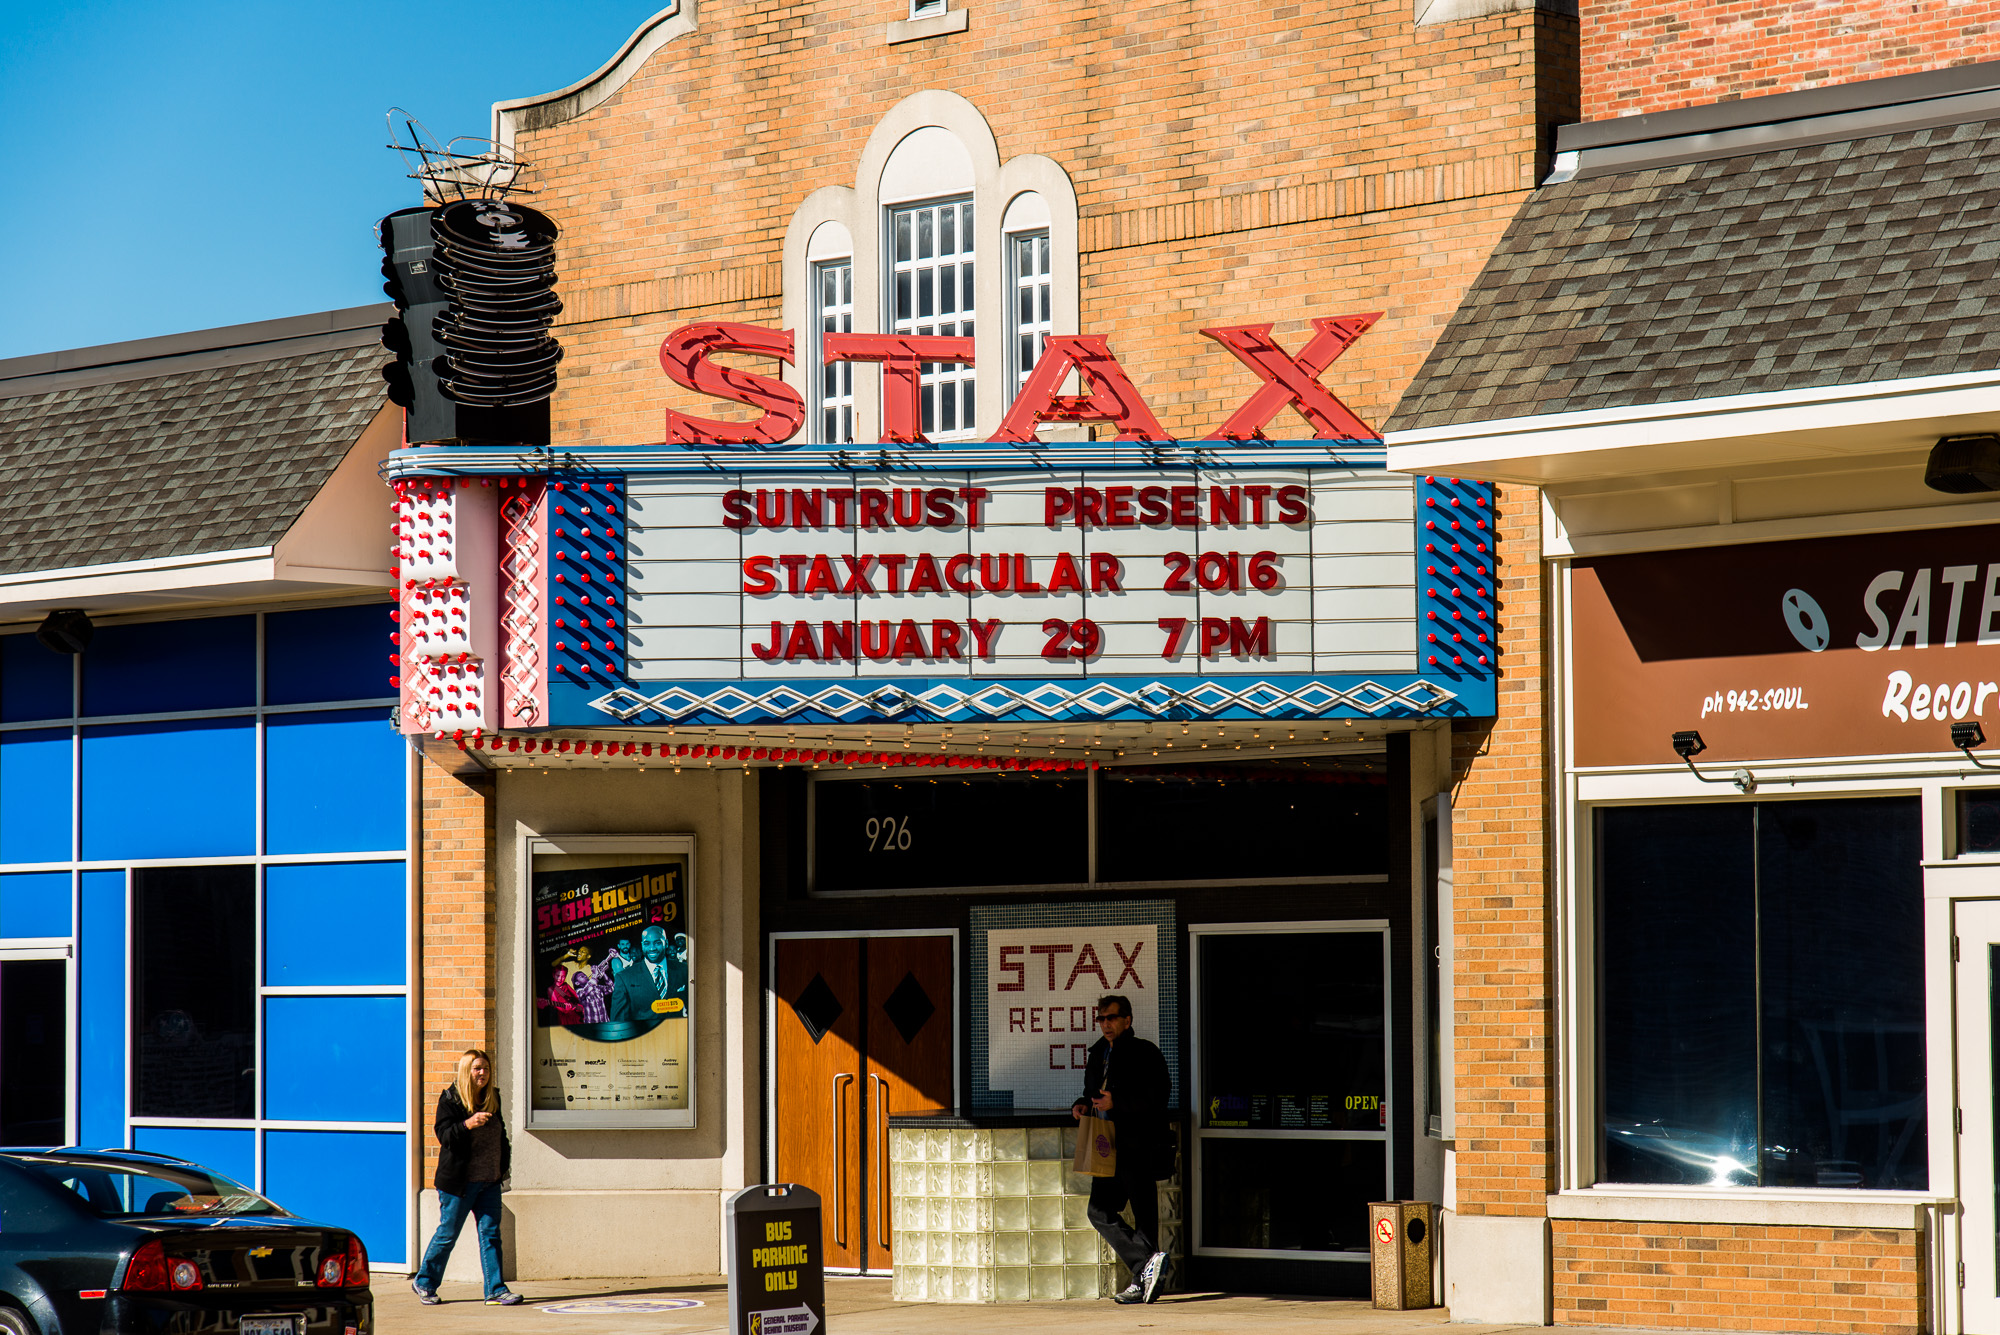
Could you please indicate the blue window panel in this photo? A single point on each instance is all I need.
(346, 1179)
(34, 903)
(334, 1059)
(334, 924)
(170, 790)
(156, 667)
(328, 653)
(100, 1093)
(34, 682)
(334, 783)
(34, 796)
(230, 1151)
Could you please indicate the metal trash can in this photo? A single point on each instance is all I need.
(777, 1284)
(1402, 1239)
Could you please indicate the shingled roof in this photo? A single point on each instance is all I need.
(170, 447)
(1865, 259)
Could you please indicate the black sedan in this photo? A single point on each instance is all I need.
(121, 1240)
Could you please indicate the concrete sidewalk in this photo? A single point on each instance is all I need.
(863, 1307)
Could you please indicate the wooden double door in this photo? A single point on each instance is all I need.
(864, 1030)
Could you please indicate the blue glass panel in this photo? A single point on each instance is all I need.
(101, 1012)
(334, 924)
(348, 1179)
(328, 653)
(230, 1151)
(334, 1059)
(334, 782)
(34, 903)
(157, 666)
(34, 796)
(34, 682)
(170, 790)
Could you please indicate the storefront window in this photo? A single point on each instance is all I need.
(1240, 821)
(895, 834)
(1761, 994)
(1979, 821)
(194, 989)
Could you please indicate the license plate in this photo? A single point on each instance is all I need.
(270, 1325)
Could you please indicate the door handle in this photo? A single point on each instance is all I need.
(839, 1162)
(881, 1160)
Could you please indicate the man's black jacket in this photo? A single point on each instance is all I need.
(1136, 1074)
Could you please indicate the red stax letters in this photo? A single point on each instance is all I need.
(1294, 380)
(902, 357)
(1113, 397)
(685, 358)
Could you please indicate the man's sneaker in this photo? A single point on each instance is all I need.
(428, 1297)
(503, 1299)
(1152, 1276)
(1130, 1294)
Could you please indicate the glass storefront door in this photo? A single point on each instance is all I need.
(1976, 925)
(1290, 1067)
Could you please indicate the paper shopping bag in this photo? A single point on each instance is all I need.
(1096, 1146)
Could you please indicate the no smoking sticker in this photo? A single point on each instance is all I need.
(1384, 1231)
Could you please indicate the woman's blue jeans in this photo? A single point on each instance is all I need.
(481, 1200)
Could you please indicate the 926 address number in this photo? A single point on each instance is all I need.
(887, 834)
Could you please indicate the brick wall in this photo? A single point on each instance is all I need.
(1830, 1281)
(455, 908)
(1503, 1012)
(1654, 55)
(1230, 166)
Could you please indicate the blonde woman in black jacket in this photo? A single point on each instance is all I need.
(473, 1158)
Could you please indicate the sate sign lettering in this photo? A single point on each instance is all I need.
(1042, 989)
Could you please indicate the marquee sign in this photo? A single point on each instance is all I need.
(916, 582)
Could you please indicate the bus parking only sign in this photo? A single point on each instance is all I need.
(776, 1282)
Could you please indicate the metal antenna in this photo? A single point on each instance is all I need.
(465, 168)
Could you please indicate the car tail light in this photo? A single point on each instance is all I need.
(148, 1267)
(357, 1264)
(330, 1271)
(184, 1275)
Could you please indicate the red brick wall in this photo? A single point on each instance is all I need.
(1654, 55)
(455, 952)
(1831, 1281)
(1503, 1015)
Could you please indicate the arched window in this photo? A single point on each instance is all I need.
(936, 236)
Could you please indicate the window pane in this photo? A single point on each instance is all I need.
(34, 1046)
(1677, 983)
(154, 667)
(903, 236)
(1290, 1195)
(1840, 884)
(34, 682)
(1314, 1059)
(885, 834)
(327, 653)
(923, 234)
(948, 290)
(925, 306)
(933, 278)
(1159, 823)
(947, 226)
(1979, 821)
(194, 991)
(1832, 890)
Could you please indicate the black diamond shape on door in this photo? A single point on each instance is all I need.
(818, 1008)
(909, 1008)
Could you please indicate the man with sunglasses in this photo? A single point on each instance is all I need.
(1126, 1080)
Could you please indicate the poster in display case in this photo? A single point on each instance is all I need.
(611, 997)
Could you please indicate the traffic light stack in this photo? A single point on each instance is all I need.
(474, 287)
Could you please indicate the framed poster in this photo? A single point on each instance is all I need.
(610, 996)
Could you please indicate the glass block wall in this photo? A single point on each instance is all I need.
(204, 905)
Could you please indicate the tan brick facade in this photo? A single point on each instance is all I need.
(455, 913)
(1505, 1085)
(1831, 1281)
(1643, 56)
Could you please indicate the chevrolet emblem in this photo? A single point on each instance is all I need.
(260, 1251)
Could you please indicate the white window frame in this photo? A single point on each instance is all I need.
(822, 402)
(944, 379)
(863, 209)
(1040, 283)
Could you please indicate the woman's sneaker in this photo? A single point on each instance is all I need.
(503, 1300)
(428, 1297)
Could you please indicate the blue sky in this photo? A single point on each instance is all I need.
(174, 166)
